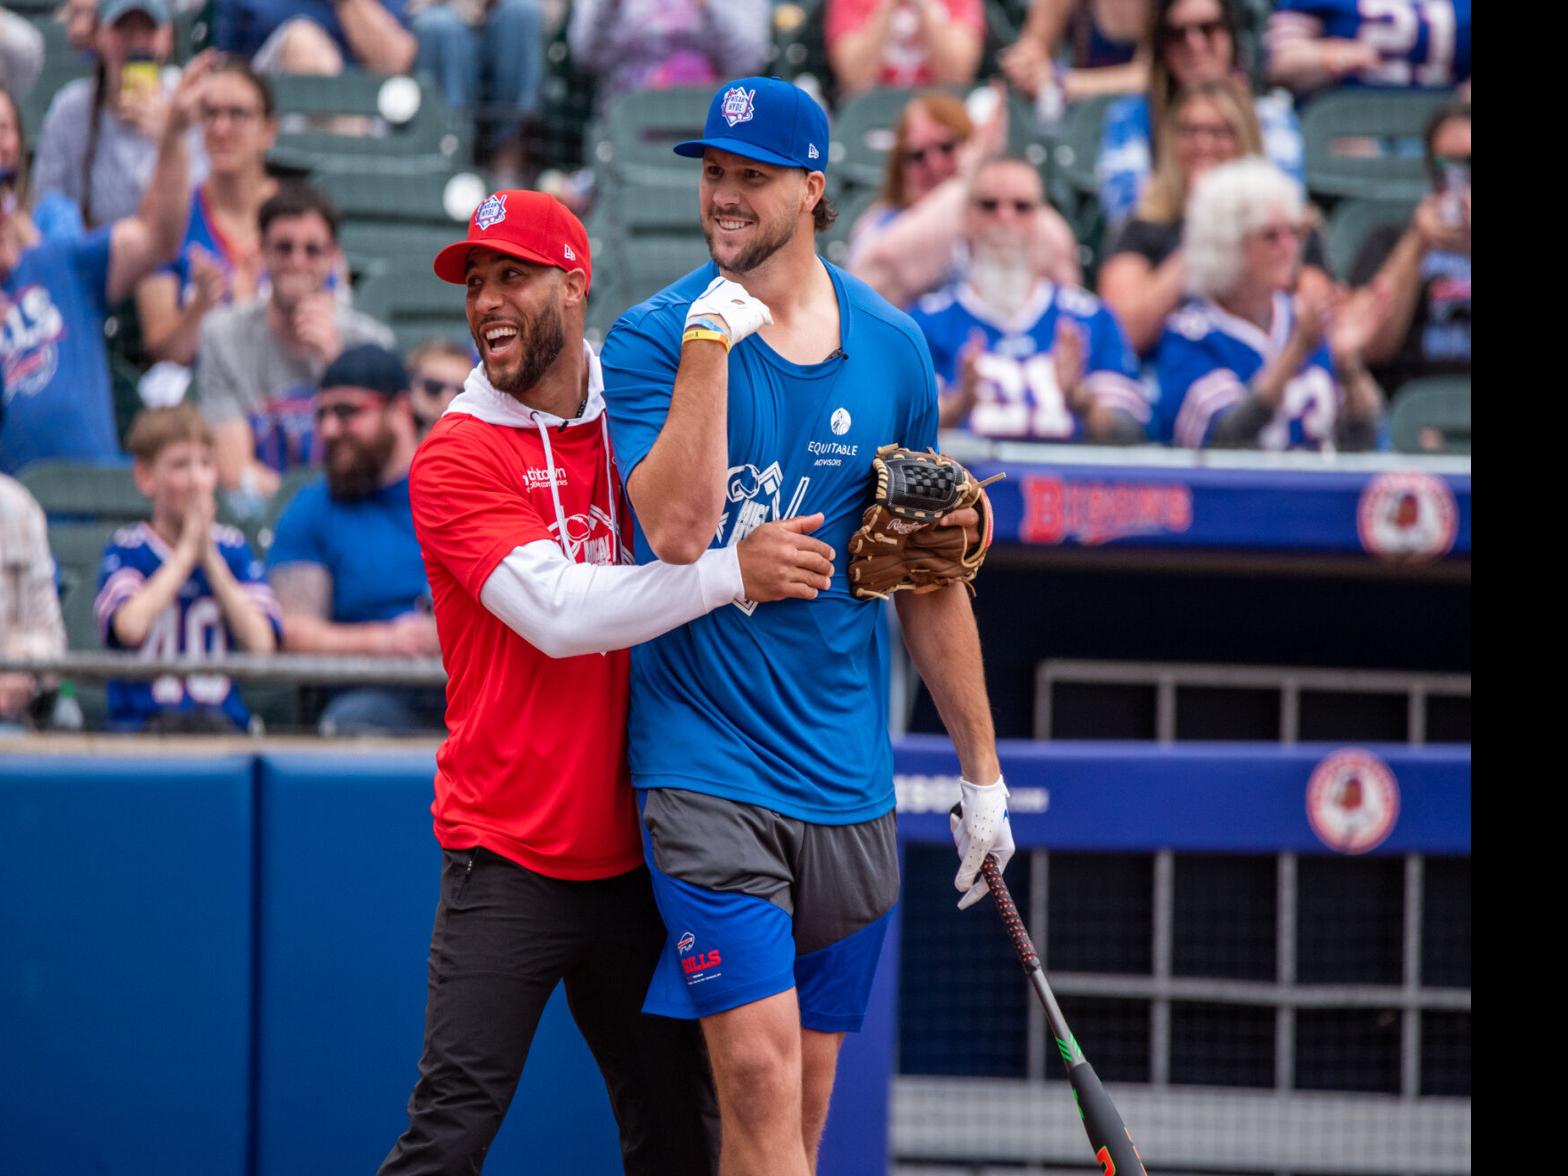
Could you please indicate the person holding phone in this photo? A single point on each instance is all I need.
(100, 136)
(1426, 265)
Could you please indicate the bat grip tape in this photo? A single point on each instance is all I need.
(1028, 958)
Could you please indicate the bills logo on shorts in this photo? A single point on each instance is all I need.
(491, 212)
(738, 106)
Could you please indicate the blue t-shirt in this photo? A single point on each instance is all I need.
(1018, 394)
(192, 625)
(241, 26)
(1422, 43)
(785, 704)
(1207, 357)
(58, 401)
(367, 546)
(1127, 153)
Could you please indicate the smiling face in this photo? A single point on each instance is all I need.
(1204, 137)
(1004, 206)
(235, 129)
(181, 472)
(751, 210)
(357, 439)
(301, 255)
(1196, 42)
(930, 153)
(516, 317)
(1271, 253)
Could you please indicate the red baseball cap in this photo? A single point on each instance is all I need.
(527, 225)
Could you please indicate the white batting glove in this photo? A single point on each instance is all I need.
(728, 303)
(980, 826)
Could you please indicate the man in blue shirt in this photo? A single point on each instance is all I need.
(757, 735)
(345, 564)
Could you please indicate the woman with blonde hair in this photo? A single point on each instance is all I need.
(908, 242)
(1244, 364)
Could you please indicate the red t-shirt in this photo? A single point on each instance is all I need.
(904, 61)
(534, 764)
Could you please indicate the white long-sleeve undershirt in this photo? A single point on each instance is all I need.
(564, 609)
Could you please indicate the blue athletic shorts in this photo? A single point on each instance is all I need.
(756, 903)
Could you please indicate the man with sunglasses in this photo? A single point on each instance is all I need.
(1426, 266)
(345, 565)
(258, 363)
(1016, 355)
(436, 371)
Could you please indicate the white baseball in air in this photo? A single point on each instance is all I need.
(980, 104)
(462, 194)
(398, 100)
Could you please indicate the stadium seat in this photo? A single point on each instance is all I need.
(1432, 415)
(417, 305)
(641, 128)
(671, 209)
(403, 118)
(371, 246)
(851, 203)
(379, 201)
(1353, 222)
(81, 490)
(77, 548)
(863, 135)
(1368, 144)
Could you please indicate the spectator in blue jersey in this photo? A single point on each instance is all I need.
(1189, 42)
(1317, 44)
(1080, 48)
(99, 140)
(1016, 355)
(1426, 266)
(345, 562)
(1143, 277)
(316, 36)
(259, 363)
(759, 387)
(181, 585)
(1244, 365)
(220, 259)
(52, 359)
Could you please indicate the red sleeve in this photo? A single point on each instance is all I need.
(845, 16)
(470, 510)
(969, 12)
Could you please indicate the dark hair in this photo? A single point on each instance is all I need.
(824, 214)
(1162, 86)
(1450, 112)
(263, 88)
(297, 198)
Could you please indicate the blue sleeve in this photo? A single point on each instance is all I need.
(1109, 350)
(639, 359)
(298, 533)
(1124, 158)
(1179, 362)
(58, 217)
(90, 259)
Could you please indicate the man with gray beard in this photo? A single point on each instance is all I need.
(345, 564)
(1016, 355)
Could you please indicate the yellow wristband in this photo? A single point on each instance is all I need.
(699, 333)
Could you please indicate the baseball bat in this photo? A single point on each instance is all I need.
(1108, 1135)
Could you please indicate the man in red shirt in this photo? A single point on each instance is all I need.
(525, 531)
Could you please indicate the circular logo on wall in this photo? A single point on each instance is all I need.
(1407, 517)
(1352, 801)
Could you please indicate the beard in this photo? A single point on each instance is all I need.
(355, 468)
(1001, 270)
(764, 247)
(541, 340)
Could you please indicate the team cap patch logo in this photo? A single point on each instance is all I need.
(567, 249)
(491, 212)
(738, 106)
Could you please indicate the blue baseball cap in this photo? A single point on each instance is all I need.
(766, 119)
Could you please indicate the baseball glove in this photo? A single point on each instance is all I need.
(899, 546)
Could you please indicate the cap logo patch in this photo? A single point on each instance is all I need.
(570, 256)
(491, 212)
(738, 107)
(811, 151)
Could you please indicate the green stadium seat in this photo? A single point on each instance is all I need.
(1368, 144)
(77, 548)
(76, 489)
(833, 244)
(1432, 415)
(402, 118)
(640, 130)
(1353, 222)
(416, 304)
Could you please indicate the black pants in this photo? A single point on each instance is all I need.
(504, 937)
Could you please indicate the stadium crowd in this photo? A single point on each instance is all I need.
(1191, 298)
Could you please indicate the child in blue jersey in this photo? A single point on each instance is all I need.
(1243, 365)
(181, 585)
(758, 734)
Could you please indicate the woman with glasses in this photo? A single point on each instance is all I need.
(1245, 364)
(220, 258)
(1189, 42)
(1144, 273)
(909, 242)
